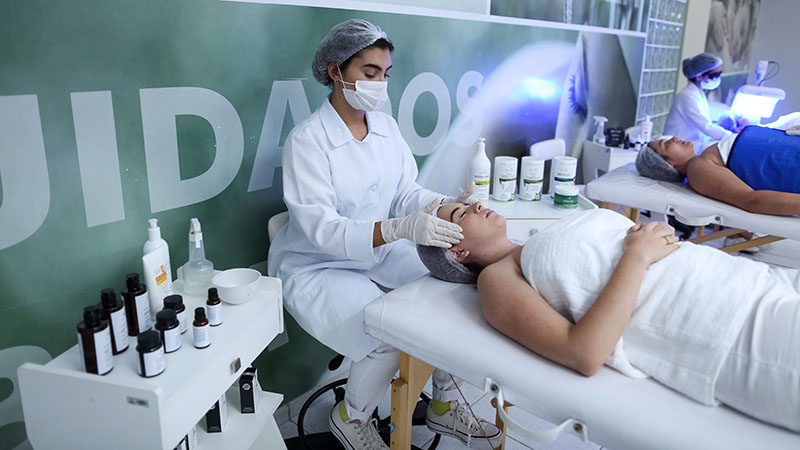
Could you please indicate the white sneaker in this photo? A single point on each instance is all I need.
(460, 423)
(355, 434)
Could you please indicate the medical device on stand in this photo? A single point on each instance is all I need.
(756, 100)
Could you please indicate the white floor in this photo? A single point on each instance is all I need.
(783, 253)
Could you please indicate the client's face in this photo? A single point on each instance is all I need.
(674, 151)
(481, 226)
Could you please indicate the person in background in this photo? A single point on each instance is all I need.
(346, 168)
(689, 114)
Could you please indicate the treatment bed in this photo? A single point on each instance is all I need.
(435, 323)
(624, 186)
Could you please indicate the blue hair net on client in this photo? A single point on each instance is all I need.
(651, 165)
(442, 265)
(343, 41)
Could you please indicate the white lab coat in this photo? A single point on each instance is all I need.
(336, 188)
(689, 119)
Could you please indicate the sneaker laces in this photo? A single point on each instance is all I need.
(367, 433)
(465, 416)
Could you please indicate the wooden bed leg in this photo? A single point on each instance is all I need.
(701, 230)
(499, 422)
(634, 215)
(414, 373)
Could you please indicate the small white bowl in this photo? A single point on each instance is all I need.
(236, 286)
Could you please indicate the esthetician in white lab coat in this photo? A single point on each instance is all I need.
(346, 168)
(689, 116)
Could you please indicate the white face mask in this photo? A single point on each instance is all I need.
(710, 85)
(368, 96)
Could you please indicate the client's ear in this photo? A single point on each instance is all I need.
(459, 254)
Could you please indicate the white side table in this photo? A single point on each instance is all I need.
(599, 159)
(66, 408)
(524, 218)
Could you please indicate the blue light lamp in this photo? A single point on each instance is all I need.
(758, 101)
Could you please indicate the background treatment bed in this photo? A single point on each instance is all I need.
(624, 186)
(618, 412)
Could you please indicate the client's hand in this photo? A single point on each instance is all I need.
(650, 242)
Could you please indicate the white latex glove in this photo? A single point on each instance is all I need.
(420, 227)
(794, 131)
(464, 197)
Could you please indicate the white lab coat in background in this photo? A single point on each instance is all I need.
(336, 188)
(689, 119)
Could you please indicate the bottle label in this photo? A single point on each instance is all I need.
(103, 353)
(172, 339)
(80, 348)
(202, 336)
(142, 303)
(182, 323)
(119, 325)
(214, 314)
(152, 363)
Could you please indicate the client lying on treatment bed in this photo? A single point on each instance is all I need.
(594, 289)
(756, 170)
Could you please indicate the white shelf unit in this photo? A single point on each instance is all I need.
(66, 408)
(524, 218)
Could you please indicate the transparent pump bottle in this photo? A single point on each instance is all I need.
(198, 271)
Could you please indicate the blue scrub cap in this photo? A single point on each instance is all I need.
(650, 164)
(700, 64)
(343, 41)
(442, 265)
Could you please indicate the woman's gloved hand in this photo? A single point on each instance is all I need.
(420, 227)
(464, 197)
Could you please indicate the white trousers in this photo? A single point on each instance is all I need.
(370, 377)
(761, 375)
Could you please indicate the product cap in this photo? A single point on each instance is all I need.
(153, 231)
(566, 189)
(213, 294)
(200, 314)
(174, 301)
(148, 341)
(91, 316)
(166, 318)
(108, 298)
(132, 281)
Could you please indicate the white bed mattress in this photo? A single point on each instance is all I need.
(441, 323)
(625, 186)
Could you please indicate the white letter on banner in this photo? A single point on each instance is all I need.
(24, 178)
(469, 127)
(268, 155)
(96, 138)
(424, 82)
(159, 108)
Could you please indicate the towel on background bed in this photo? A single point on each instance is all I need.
(766, 159)
(690, 307)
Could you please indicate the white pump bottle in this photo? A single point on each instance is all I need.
(197, 273)
(480, 172)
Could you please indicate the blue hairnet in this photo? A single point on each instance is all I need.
(442, 265)
(650, 164)
(343, 41)
(700, 64)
